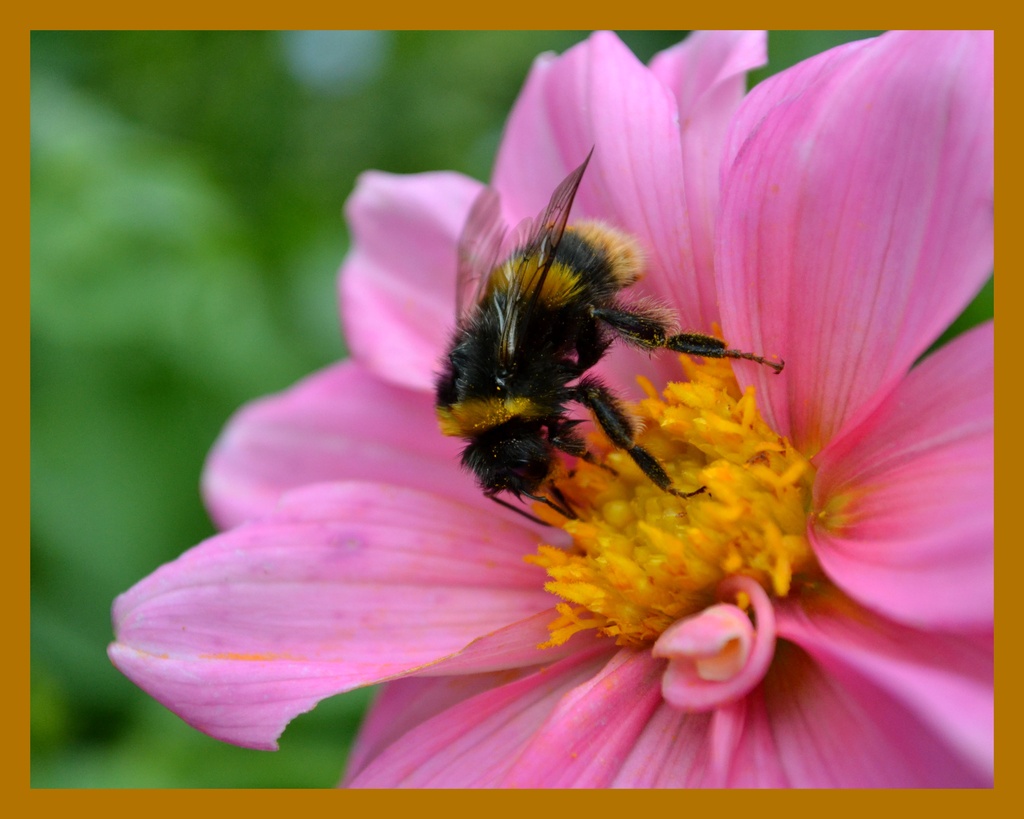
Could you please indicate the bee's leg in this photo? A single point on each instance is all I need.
(559, 504)
(591, 343)
(711, 347)
(615, 423)
(561, 436)
(643, 325)
(520, 511)
(563, 439)
(647, 326)
(591, 459)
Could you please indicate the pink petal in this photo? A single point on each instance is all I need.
(501, 655)
(915, 538)
(403, 704)
(592, 731)
(944, 680)
(744, 751)
(532, 159)
(857, 221)
(344, 586)
(717, 657)
(707, 73)
(512, 646)
(672, 751)
(776, 90)
(599, 95)
(342, 423)
(709, 62)
(842, 730)
(473, 743)
(397, 286)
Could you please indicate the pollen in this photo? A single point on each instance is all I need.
(643, 558)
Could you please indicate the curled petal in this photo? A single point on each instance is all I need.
(713, 645)
(716, 657)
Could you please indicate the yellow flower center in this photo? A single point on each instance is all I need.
(643, 558)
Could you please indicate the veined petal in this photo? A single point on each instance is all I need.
(944, 680)
(593, 729)
(843, 733)
(473, 743)
(397, 286)
(401, 705)
(781, 87)
(513, 646)
(342, 423)
(905, 500)
(835, 727)
(345, 585)
(708, 61)
(743, 748)
(672, 751)
(707, 73)
(857, 221)
(512, 650)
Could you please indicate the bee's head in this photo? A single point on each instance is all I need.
(514, 457)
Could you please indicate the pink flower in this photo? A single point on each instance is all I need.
(839, 216)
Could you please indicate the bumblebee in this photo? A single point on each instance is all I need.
(531, 322)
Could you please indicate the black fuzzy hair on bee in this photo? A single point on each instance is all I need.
(537, 308)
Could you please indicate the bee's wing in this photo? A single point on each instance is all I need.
(540, 237)
(537, 241)
(478, 250)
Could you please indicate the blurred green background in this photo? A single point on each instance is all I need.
(186, 231)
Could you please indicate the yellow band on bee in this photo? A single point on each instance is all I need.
(476, 415)
(560, 285)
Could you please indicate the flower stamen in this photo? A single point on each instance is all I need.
(643, 559)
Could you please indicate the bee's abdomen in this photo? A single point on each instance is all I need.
(607, 259)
